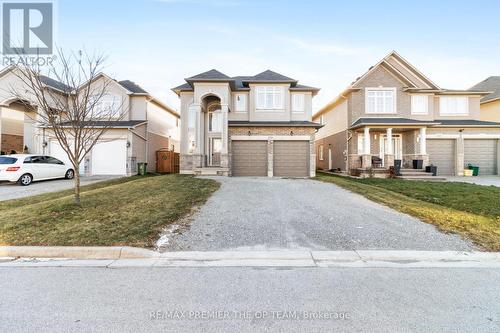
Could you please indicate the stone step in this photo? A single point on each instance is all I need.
(425, 178)
(415, 173)
(211, 171)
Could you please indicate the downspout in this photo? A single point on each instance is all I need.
(349, 137)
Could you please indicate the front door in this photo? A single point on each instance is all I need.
(215, 147)
(397, 146)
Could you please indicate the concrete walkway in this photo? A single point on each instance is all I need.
(479, 180)
(266, 214)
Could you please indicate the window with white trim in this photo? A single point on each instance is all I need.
(320, 152)
(453, 105)
(380, 100)
(269, 98)
(419, 104)
(240, 103)
(298, 102)
(107, 107)
(215, 121)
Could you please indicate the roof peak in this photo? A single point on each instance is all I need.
(212, 74)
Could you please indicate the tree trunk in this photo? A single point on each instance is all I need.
(77, 185)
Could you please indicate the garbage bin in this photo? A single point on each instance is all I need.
(142, 167)
(432, 169)
(475, 169)
(397, 167)
(418, 164)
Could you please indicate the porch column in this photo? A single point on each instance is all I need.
(366, 159)
(423, 141)
(198, 149)
(224, 159)
(423, 147)
(389, 154)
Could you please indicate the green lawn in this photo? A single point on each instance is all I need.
(127, 211)
(467, 209)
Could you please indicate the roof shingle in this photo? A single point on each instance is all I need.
(490, 84)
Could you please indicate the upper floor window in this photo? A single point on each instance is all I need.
(380, 100)
(269, 98)
(215, 122)
(419, 104)
(298, 102)
(453, 105)
(108, 106)
(240, 102)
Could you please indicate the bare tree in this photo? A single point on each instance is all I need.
(77, 109)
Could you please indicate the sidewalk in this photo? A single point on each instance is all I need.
(116, 257)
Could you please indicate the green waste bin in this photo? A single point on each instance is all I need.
(475, 169)
(142, 167)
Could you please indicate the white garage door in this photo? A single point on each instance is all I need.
(110, 158)
(442, 154)
(482, 153)
(58, 152)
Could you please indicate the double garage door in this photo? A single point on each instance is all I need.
(290, 158)
(480, 152)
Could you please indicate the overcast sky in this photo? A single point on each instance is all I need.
(327, 44)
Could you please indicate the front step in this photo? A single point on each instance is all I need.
(424, 177)
(211, 171)
(414, 172)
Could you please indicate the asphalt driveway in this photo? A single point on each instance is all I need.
(14, 191)
(267, 214)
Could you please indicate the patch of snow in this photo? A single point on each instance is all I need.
(166, 236)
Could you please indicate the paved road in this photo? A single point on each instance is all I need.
(262, 214)
(84, 299)
(14, 191)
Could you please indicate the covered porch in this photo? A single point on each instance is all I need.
(375, 148)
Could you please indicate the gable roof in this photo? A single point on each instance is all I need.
(241, 83)
(211, 75)
(490, 84)
(400, 68)
(269, 76)
(133, 87)
(396, 65)
(54, 84)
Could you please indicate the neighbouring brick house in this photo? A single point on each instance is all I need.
(247, 125)
(394, 112)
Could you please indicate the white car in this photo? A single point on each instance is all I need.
(25, 169)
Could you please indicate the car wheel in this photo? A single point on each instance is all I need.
(70, 174)
(26, 179)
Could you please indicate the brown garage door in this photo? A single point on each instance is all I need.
(442, 154)
(291, 158)
(249, 158)
(483, 153)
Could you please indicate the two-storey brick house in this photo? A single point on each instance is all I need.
(394, 112)
(247, 125)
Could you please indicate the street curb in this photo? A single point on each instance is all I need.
(301, 258)
(77, 252)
